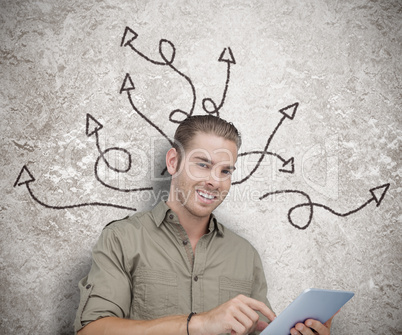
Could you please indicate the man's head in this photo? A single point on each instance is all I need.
(207, 124)
(201, 164)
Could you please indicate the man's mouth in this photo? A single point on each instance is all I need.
(206, 195)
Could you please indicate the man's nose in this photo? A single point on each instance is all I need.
(213, 179)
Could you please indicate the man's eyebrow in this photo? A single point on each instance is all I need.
(206, 160)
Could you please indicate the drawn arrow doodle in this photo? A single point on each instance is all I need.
(226, 57)
(92, 128)
(287, 112)
(130, 36)
(288, 166)
(25, 177)
(377, 195)
(128, 86)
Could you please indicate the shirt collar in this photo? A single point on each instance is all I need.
(162, 212)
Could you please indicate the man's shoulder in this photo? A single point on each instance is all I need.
(132, 222)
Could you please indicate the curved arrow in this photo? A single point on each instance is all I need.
(227, 57)
(127, 40)
(287, 112)
(288, 166)
(378, 194)
(102, 155)
(130, 36)
(23, 180)
(128, 86)
(309, 203)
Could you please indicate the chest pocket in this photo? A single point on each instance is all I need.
(230, 288)
(155, 294)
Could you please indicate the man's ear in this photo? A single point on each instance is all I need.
(172, 161)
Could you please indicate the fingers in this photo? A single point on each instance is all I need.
(237, 316)
(301, 329)
(258, 306)
(310, 327)
(245, 319)
(322, 329)
(261, 325)
(242, 311)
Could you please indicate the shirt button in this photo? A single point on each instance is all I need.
(196, 278)
(88, 286)
(185, 242)
(171, 216)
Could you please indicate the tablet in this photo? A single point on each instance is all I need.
(312, 303)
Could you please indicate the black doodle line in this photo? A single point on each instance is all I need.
(285, 163)
(228, 59)
(378, 194)
(128, 86)
(285, 115)
(26, 181)
(166, 61)
(102, 156)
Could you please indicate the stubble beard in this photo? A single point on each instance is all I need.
(189, 200)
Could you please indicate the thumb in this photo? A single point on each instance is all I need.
(261, 325)
(329, 322)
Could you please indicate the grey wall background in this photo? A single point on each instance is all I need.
(339, 60)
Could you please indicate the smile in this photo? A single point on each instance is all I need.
(205, 195)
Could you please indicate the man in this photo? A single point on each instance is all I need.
(176, 269)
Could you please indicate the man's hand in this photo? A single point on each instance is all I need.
(237, 316)
(312, 327)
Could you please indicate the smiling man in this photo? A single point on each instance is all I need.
(176, 269)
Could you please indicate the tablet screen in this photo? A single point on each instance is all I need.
(313, 303)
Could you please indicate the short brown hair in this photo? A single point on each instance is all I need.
(207, 124)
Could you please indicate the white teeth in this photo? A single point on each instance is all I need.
(206, 195)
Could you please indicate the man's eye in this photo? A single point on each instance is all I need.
(227, 172)
(203, 165)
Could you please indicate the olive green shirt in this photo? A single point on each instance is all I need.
(144, 268)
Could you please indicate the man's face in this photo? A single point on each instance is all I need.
(203, 179)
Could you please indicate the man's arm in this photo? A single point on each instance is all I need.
(238, 316)
(117, 326)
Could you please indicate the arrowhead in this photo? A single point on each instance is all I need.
(290, 111)
(93, 125)
(24, 177)
(288, 166)
(128, 84)
(227, 56)
(129, 36)
(379, 193)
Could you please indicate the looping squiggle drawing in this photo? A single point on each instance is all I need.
(167, 52)
(93, 130)
(377, 195)
(174, 116)
(228, 58)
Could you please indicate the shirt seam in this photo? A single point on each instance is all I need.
(124, 251)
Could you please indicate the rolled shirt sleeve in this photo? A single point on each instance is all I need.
(106, 291)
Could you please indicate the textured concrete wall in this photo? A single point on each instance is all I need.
(314, 86)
